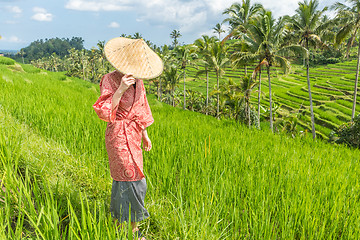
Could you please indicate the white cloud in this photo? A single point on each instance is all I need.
(42, 15)
(11, 39)
(281, 7)
(218, 6)
(14, 9)
(114, 25)
(10, 22)
(188, 16)
(185, 15)
(101, 5)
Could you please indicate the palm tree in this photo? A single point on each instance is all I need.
(202, 45)
(218, 29)
(232, 98)
(307, 28)
(175, 34)
(240, 15)
(247, 85)
(264, 38)
(183, 54)
(350, 19)
(217, 60)
(165, 55)
(22, 53)
(236, 98)
(171, 78)
(245, 53)
(101, 45)
(137, 35)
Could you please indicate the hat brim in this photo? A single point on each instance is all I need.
(133, 56)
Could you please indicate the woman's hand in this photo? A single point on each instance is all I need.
(146, 141)
(126, 81)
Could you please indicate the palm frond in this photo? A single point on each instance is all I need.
(295, 49)
(343, 33)
(242, 58)
(258, 68)
(338, 6)
(283, 63)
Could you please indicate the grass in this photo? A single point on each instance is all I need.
(6, 61)
(207, 179)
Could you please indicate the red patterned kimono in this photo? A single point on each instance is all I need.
(125, 124)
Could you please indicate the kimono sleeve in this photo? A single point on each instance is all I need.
(103, 105)
(147, 118)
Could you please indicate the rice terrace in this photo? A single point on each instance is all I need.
(256, 132)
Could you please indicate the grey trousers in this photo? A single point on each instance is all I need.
(128, 197)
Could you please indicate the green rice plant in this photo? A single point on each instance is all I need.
(32, 207)
(30, 69)
(344, 110)
(6, 61)
(341, 82)
(304, 93)
(327, 115)
(348, 104)
(321, 91)
(207, 179)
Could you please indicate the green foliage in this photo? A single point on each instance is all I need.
(30, 69)
(348, 133)
(6, 61)
(207, 179)
(175, 34)
(320, 58)
(89, 65)
(45, 48)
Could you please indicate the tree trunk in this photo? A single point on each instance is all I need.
(259, 95)
(173, 97)
(83, 67)
(159, 90)
(356, 84)
(207, 90)
(248, 109)
(218, 96)
(270, 99)
(350, 44)
(310, 98)
(184, 92)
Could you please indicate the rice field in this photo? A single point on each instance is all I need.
(207, 179)
(329, 84)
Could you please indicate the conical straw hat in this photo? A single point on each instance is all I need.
(133, 56)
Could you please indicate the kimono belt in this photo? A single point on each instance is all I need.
(132, 129)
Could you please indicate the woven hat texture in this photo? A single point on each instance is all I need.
(133, 56)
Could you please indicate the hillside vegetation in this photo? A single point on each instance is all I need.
(207, 179)
(332, 88)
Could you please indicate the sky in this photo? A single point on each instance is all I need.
(24, 21)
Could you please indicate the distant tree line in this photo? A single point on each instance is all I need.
(89, 65)
(46, 48)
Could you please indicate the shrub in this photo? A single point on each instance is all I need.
(318, 58)
(348, 133)
(6, 61)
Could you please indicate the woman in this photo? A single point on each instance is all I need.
(124, 106)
